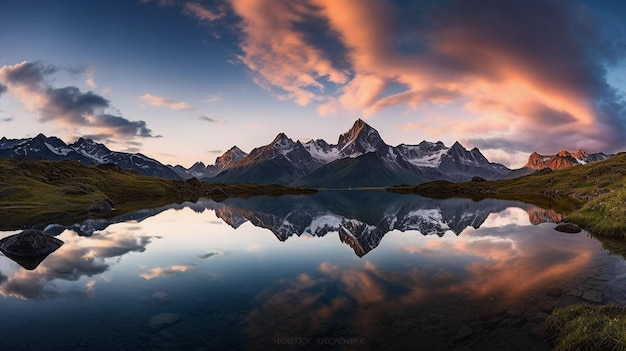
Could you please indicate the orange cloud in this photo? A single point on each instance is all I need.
(165, 102)
(202, 13)
(513, 67)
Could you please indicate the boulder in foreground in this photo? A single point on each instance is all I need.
(29, 243)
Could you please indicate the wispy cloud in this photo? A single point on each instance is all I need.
(203, 13)
(6, 119)
(212, 98)
(165, 102)
(90, 72)
(67, 106)
(207, 119)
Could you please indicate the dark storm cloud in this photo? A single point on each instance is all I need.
(67, 105)
(3, 88)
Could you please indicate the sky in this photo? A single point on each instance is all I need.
(184, 81)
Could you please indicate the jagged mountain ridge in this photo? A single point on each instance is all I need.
(562, 159)
(85, 151)
(360, 158)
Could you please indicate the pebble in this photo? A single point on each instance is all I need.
(592, 296)
(554, 292)
(163, 320)
(464, 332)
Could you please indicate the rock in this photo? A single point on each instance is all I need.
(592, 296)
(7, 192)
(478, 179)
(489, 315)
(464, 332)
(161, 297)
(541, 316)
(518, 322)
(163, 320)
(103, 206)
(29, 248)
(570, 228)
(514, 312)
(540, 331)
(554, 292)
(30, 243)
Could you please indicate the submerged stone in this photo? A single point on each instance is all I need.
(163, 320)
(30, 243)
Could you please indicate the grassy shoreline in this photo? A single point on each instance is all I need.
(597, 192)
(32, 193)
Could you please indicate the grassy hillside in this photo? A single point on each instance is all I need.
(31, 192)
(599, 187)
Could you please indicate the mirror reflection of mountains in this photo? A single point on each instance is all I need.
(361, 218)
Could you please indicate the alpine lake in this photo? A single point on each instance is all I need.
(343, 270)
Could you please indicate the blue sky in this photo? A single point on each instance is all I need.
(183, 81)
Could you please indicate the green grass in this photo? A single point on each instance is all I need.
(34, 193)
(584, 327)
(597, 192)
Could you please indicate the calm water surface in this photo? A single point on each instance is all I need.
(336, 270)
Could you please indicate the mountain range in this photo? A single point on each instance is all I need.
(563, 159)
(361, 219)
(85, 151)
(360, 158)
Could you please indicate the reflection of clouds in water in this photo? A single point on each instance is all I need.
(507, 262)
(511, 215)
(158, 272)
(78, 257)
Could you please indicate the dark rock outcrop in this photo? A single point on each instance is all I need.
(29, 243)
(102, 206)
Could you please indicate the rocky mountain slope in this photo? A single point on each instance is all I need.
(360, 158)
(85, 151)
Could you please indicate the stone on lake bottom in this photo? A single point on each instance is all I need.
(163, 320)
(554, 292)
(161, 297)
(594, 296)
(463, 333)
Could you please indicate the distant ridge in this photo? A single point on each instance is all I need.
(560, 160)
(85, 151)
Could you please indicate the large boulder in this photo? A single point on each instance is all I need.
(29, 248)
(103, 206)
(30, 243)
